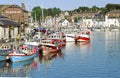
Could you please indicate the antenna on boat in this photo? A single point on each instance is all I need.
(42, 17)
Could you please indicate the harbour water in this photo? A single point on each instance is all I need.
(99, 58)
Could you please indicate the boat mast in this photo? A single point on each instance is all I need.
(42, 17)
(42, 14)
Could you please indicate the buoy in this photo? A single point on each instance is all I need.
(7, 57)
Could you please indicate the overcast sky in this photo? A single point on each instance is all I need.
(62, 4)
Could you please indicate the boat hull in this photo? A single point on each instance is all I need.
(70, 37)
(21, 58)
(83, 37)
(3, 58)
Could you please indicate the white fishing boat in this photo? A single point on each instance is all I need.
(83, 36)
(78, 35)
(57, 37)
(71, 34)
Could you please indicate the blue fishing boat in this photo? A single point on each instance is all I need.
(24, 53)
(3, 58)
(5, 49)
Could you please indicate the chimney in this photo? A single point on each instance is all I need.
(23, 6)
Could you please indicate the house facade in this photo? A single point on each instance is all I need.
(64, 23)
(86, 19)
(8, 28)
(112, 19)
(16, 13)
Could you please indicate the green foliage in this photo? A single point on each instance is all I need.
(82, 9)
(55, 11)
(78, 18)
(87, 9)
(110, 7)
(36, 13)
(95, 9)
(107, 8)
(46, 12)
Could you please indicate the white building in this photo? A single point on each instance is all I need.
(64, 23)
(112, 18)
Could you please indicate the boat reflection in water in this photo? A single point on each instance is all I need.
(21, 63)
(3, 68)
(17, 69)
(83, 43)
(50, 56)
(2, 64)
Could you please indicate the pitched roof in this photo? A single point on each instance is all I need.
(6, 22)
(16, 6)
(1, 16)
(3, 7)
(114, 14)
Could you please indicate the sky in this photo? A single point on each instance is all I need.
(62, 4)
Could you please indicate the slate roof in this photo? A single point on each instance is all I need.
(1, 16)
(6, 22)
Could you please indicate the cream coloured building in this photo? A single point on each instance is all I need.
(8, 29)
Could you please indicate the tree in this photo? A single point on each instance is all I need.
(94, 9)
(110, 7)
(47, 12)
(36, 13)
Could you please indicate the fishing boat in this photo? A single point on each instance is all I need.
(23, 53)
(48, 46)
(70, 37)
(57, 37)
(3, 58)
(71, 34)
(36, 39)
(5, 49)
(32, 44)
(83, 36)
(79, 36)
